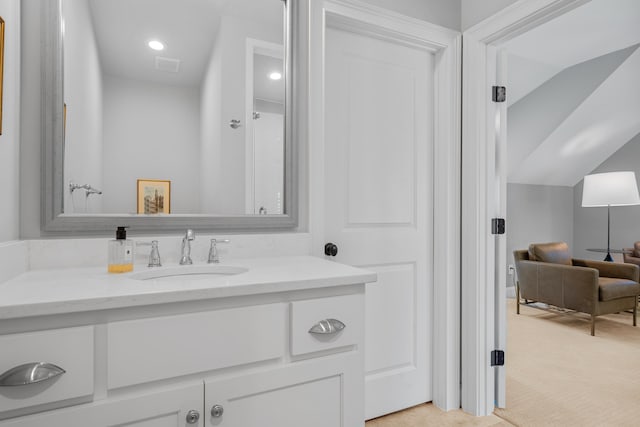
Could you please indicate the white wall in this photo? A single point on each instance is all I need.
(10, 138)
(30, 120)
(83, 98)
(474, 11)
(211, 130)
(538, 214)
(151, 131)
(441, 12)
(590, 224)
(455, 14)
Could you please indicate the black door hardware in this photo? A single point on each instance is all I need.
(330, 249)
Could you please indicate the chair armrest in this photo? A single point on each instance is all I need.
(629, 258)
(611, 269)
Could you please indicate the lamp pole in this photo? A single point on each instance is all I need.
(608, 257)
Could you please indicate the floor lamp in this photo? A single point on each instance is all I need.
(610, 189)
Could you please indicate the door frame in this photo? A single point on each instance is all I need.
(253, 46)
(480, 194)
(445, 44)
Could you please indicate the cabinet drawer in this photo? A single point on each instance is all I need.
(164, 347)
(349, 310)
(70, 349)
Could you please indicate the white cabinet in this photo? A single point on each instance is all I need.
(256, 361)
(166, 408)
(347, 309)
(164, 347)
(314, 404)
(70, 349)
(313, 393)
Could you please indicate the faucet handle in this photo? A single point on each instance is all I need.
(154, 255)
(213, 250)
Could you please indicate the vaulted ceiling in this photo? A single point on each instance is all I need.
(574, 92)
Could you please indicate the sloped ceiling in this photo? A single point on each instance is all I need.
(569, 112)
(535, 118)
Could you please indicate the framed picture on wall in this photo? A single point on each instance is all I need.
(154, 196)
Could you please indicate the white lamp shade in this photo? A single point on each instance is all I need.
(610, 189)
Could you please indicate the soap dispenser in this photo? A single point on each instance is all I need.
(120, 252)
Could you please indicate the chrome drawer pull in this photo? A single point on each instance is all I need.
(327, 326)
(30, 373)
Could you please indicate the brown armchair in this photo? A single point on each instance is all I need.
(633, 256)
(548, 274)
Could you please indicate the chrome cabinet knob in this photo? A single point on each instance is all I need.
(193, 416)
(217, 411)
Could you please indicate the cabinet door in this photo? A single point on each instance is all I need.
(325, 393)
(167, 408)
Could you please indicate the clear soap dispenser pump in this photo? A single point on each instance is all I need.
(120, 253)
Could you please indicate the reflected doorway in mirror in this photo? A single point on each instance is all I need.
(154, 196)
(265, 112)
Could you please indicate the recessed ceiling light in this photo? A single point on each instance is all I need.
(156, 45)
(275, 76)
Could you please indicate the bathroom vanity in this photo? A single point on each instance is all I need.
(257, 342)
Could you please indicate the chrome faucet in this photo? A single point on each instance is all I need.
(186, 247)
(213, 250)
(88, 188)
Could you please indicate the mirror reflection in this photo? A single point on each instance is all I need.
(186, 96)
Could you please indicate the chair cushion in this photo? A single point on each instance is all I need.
(611, 288)
(636, 249)
(555, 252)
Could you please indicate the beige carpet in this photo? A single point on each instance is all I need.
(557, 375)
(428, 415)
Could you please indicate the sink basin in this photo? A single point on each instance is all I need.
(189, 272)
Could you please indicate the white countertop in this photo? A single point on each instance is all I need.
(70, 290)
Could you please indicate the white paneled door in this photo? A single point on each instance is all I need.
(379, 202)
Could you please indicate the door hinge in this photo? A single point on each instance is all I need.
(499, 93)
(497, 358)
(497, 225)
